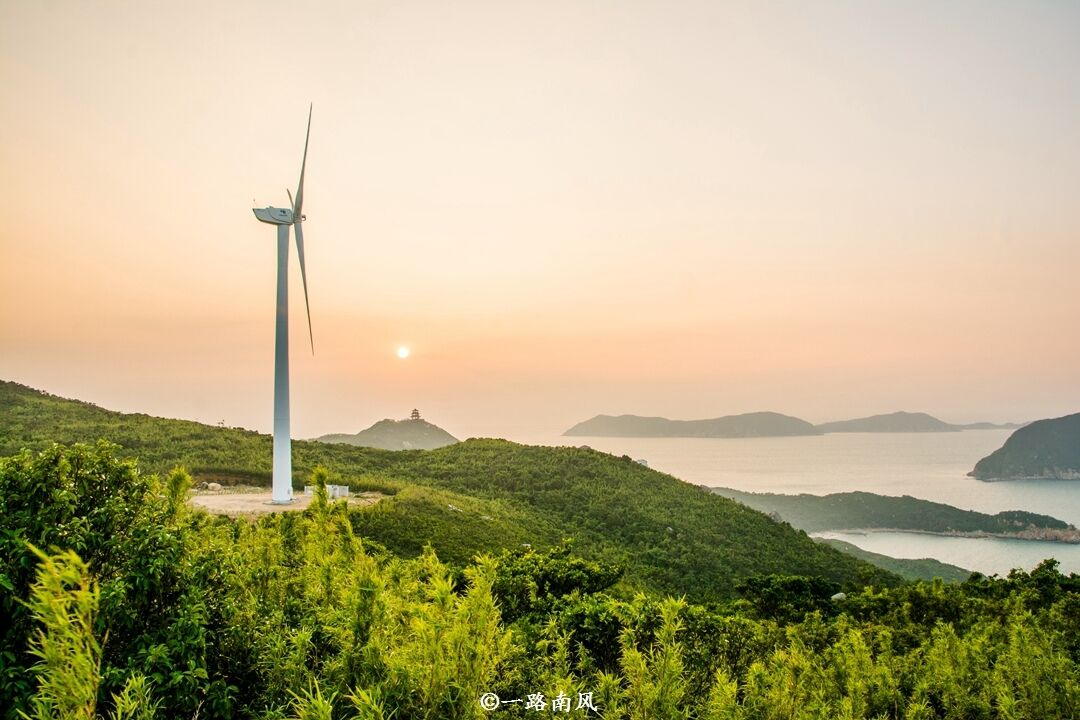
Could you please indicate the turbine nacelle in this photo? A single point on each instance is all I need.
(274, 216)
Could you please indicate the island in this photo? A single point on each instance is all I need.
(413, 433)
(906, 422)
(766, 424)
(897, 422)
(757, 424)
(991, 426)
(868, 511)
(1043, 450)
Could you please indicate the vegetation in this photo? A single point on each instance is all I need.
(845, 511)
(919, 569)
(478, 496)
(142, 607)
(1047, 449)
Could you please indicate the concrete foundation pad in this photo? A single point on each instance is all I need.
(256, 501)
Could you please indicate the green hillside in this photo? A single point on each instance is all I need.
(143, 608)
(671, 536)
(910, 569)
(139, 606)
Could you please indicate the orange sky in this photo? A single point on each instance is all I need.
(564, 208)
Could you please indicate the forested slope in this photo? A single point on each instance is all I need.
(143, 608)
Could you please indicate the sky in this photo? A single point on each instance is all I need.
(688, 209)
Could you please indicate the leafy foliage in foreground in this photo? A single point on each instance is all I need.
(479, 496)
(293, 616)
(64, 601)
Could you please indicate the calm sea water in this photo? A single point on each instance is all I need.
(931, 466)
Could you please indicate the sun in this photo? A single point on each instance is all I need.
(403, 352)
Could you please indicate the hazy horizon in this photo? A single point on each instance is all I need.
(562, 209)
(517, 432)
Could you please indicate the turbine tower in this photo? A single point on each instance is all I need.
(284, 218)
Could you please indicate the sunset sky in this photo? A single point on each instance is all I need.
(688, 209)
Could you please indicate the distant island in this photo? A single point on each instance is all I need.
(1043, 450)
(765, 424)
(413, 433)
(992, 426)
(905, 422)
(758, 424)
(867, 511)
(897, 422)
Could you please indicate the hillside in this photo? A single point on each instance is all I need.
(409, 434)
(143, 608)
(897, 422)
(863, 510)
(921, 569)
(1046, 449)
(759, 424)
(476, 496)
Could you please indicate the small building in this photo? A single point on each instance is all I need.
(333, 492)
(415, 414)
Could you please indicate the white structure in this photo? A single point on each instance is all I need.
(333, 492)
(284, 218)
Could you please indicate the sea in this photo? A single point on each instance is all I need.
(931, 466)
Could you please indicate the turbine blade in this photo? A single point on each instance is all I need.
(298, 205)
(303, 274)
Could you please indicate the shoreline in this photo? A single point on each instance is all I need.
(1070, 536)
(1074, 477)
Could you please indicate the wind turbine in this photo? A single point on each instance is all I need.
(284, 218)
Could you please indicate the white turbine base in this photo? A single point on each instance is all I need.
(282, 483)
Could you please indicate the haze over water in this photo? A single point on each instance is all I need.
(930, 466)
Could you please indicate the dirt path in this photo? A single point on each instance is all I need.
(236, 501)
